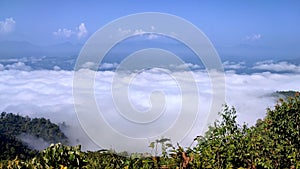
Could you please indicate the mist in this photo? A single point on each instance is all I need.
(33, 142)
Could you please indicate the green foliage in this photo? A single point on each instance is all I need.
(272, 143)
(58, 155)
(105, 160)
(10, 147)
(279, 133)
(284, 94)
(55, 156)
(223, 145)
(14, 125)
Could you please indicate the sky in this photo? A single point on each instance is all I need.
(233, 26)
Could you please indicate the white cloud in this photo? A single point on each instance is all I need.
(18, 66)
(103, 66)
(57, 68)
(124, 31)
(185, 66)
(141, 32)
(49, 94)
(149, 36)
(152, 36)
(63, 33)
(234, 65)
(109, 66)
(23, 59)
(89, 65)
(82, 31)
(1, 67)
(253, 37)
(249, 93)
(277, 67)
(7, 25)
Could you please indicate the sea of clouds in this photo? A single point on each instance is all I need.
(49, 94)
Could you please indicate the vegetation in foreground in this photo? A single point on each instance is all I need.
(274, 142)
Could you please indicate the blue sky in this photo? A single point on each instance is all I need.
(269, 27)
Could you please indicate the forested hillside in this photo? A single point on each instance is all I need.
(274, 142)
(13, 127)
(284, 94)
(10, 147)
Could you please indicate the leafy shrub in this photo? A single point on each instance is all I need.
(58, 155)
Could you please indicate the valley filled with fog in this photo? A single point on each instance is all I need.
(48, 93)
